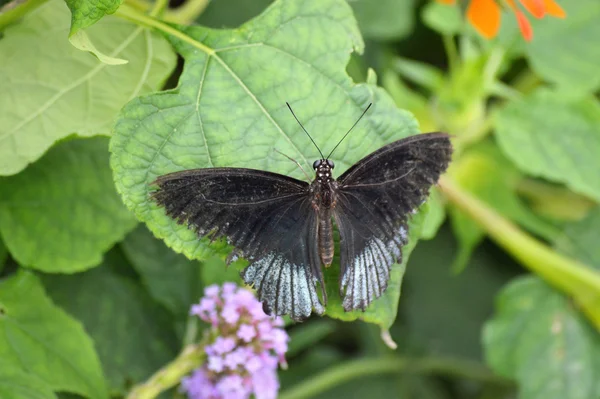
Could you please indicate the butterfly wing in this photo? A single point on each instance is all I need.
(374, 199)
(267, 217)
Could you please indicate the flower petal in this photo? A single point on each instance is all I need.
(524, 25)
(484, 15)
(554, 9)
(534, 7)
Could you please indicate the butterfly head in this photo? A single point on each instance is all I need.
(323, 168)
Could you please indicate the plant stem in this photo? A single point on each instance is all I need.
(158, 8)
(364, 367)
(167, 377)
(451, 52)
(131, 14)
(12, 15)
(570, 276)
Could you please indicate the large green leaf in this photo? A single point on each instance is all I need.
(18, 384)
(229, 108)
(548, 136)
(540, 339)
(42, 340)
(486, 173)
(171, 278)
(580, 239)
(132, 333)
(567, 52)
(62, 213)
(53, 90)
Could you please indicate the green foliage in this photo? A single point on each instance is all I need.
(112, 306)
(115, 311)
(566, 52)
(539, 339)
(547, 136)
(68, 199)
(39, 338)
(46, 106)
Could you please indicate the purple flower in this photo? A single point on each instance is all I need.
(245, 347)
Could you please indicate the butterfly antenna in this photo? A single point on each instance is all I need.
(311, 139)
(348, 132)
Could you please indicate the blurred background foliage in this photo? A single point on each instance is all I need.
(502, 300)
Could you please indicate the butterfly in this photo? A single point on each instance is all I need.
(283, 226)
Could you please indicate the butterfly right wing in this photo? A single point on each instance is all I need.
(374, 201)
(267, 217)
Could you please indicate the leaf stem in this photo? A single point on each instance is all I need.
(363, 367)
(170, 375)
(133, 15)
(570, 276)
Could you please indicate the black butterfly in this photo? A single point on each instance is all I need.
(283, 226)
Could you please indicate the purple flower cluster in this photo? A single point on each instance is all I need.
(245, 347)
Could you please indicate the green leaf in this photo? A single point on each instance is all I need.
(539, 339)
(68, 199)
(385, 20)
(231, 13)
(131, 332)
(46, 106)
(548, 136)
(443, 18)
(566, 51)
(17, 384)
(441, 313)
(215, 270)
(580, 239)
(229, 110)
(85, 13)
(41, 339)
(171, 278)
(485, 172)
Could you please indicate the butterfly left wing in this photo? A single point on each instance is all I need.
(267, 217)
(373, 202)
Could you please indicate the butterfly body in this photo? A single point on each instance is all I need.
(283, 226)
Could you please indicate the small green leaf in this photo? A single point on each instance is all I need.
(580, 239)
(68, 199)
(485, 172)
(443, 18)
(548, 136)
(566, 51)
(229, 110)
(171, 278)
(384, 20)
(421, 73)
(18, 384)
(46, 106)
(81, 41)
(539, 339)
(214, 270)
(131, 332)
(40, 338)
(85, 13)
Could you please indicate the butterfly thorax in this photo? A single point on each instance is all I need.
(323, 190)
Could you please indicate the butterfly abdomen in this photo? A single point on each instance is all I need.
(326, 237)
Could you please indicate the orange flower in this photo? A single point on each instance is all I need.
(485, 15)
